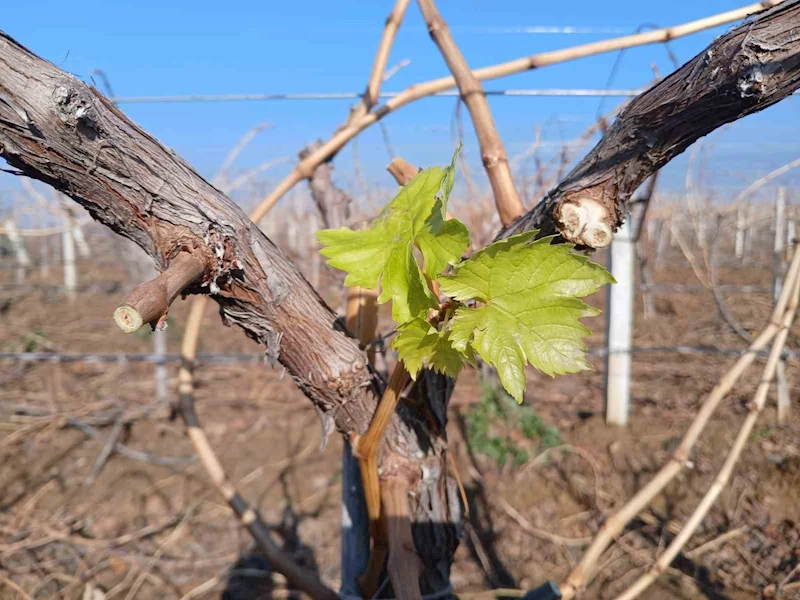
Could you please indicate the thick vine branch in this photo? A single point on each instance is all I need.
(744, 71)
(56, 129)
(361, 322)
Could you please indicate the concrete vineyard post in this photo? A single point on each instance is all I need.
(781, 383)
(160, 373)
(20, 253)
(68, 259)
(663, 241)
(741, 230)
(619, 325)
(747, 249)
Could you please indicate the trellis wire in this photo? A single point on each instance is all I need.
(528, 93)
(781, 383)
(233, 357)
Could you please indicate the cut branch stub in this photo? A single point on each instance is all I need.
(586, 222)
(150, 301)
(741, 72)
(402, 170)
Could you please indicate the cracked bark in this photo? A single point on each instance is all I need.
(743, 71)
(58, 130)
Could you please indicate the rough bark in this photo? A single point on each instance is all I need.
(744, 71)
(333, 203)
(56, 129)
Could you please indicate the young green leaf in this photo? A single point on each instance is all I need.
(419, 344)
(384, 254)
(530, 311)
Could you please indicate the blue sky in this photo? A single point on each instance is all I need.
(179, 47)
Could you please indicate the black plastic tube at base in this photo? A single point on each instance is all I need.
(547, 591)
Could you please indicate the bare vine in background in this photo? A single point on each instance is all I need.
(786, 319)
(614, 525)
(304, 169)
(250, 304)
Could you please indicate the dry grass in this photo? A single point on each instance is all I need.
(153, 531)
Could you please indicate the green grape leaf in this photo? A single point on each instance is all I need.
(384, 254)
(419, 344)
(530, 309)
